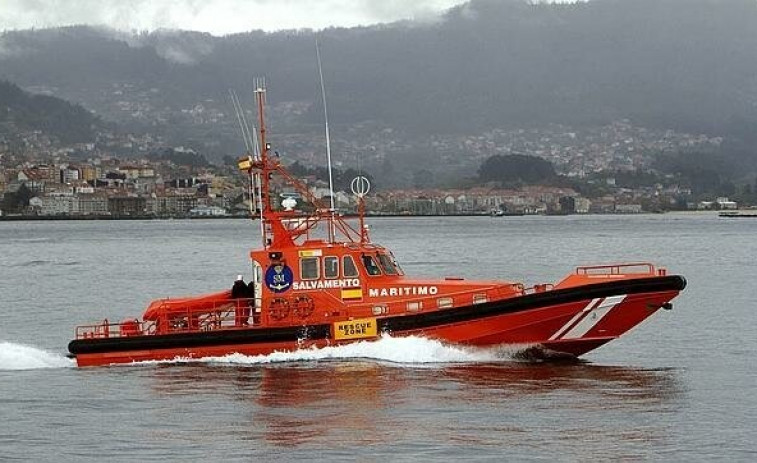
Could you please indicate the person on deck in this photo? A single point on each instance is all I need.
(241, 306)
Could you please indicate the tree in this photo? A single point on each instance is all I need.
(17, 201)
(182, 158)
(516, 169)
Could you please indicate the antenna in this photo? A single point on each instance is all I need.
(250, 145)
(328, 141)
(241, 119)
(360, 187)
(251, 136)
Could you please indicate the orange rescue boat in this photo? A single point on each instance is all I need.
(318, 280)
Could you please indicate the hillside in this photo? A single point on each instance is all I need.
(487, 63)
(23, 112)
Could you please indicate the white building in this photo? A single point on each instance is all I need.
(582, 205)
(70, 175)
(54, 205)
(91, 204)
(726, 204)
(207, 211)
(628, 208)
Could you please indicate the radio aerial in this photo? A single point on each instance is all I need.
(360, 186)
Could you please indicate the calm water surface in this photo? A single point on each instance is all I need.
(679, 387)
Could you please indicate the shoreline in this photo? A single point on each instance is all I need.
(44, 218)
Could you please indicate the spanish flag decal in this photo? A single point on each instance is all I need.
(352, 294)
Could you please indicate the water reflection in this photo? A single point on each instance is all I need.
(640, 386)
(357, 403)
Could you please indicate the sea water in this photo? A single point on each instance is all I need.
(678, 387)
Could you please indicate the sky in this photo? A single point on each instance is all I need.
(217, 17)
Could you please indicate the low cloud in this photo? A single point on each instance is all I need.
(8, 49)
(218, 17)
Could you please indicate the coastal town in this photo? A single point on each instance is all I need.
(138, 176)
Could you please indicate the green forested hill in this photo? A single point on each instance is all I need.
(21, 111)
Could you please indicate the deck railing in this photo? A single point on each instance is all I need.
(635, 268)
(214, 315)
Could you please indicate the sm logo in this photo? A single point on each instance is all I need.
(279, 278)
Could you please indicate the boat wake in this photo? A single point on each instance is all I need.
(20, 357)
(411, 350)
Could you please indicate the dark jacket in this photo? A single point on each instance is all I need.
(239, 290)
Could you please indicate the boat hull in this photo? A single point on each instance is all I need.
(569, 321)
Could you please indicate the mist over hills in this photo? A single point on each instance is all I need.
(689, 65)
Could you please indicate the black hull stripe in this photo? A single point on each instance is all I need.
(200, 339)
(532, 301)
(388, 324)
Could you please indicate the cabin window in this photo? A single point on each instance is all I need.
(414, 306)
(331, 267)
(444, 302)
(387, 264)
(370, 265)
(309, 268)
(350, 270)
(480, 299)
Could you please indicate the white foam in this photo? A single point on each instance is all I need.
(412, 350)
(20, 357)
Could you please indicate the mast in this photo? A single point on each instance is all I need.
(250, 139)
(283, 228)
(272, 228)
(264, 147)
(255, 178)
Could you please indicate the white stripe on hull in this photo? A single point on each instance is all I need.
(574, 320)
(593, 317)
